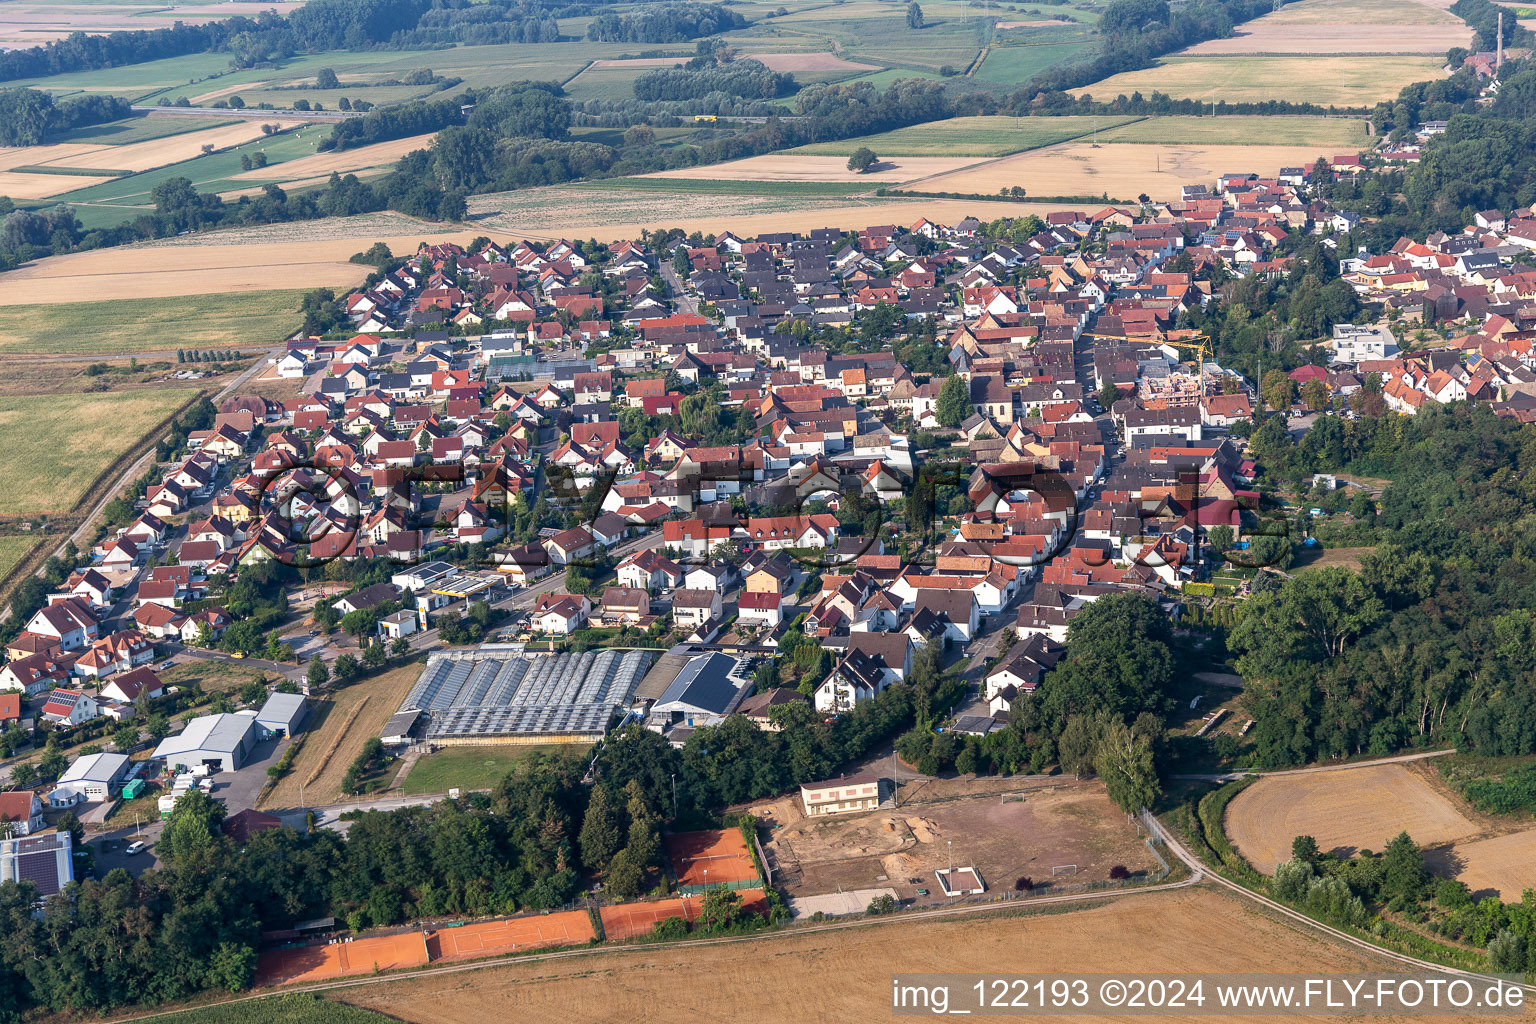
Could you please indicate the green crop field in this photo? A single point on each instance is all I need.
(471, 767)
(136, 129)
(286, 1009)
(127, 327)
(971, 136)
(53, 446)
(1015, 65)
(1242, 131)
(211, 173)
(14, 549)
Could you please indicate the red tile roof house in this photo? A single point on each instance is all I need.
(69, 707)
(70, 621)
(765, 608)
(22, 811)
(561, 613)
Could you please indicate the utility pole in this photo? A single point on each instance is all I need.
(674, 798)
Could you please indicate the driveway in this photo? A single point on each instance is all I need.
(240, 789)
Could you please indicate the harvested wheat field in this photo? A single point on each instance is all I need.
(1258, 38)
(30, 156)
(845, 975)
(797, 167)
(18, 185)
(1338, 81)
(1347, 809)
(1504, 864)
(341, 161)
(336, 732)
(1122, 171)
(809, 62)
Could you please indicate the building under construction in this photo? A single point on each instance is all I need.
(497, 694)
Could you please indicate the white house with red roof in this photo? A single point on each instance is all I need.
(69, 707)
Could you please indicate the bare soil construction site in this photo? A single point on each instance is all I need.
(1060, 832)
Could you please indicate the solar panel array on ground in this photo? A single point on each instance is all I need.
(498, 693)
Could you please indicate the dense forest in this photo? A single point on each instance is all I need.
(1432, 640)
(664, 23)
(702, 76)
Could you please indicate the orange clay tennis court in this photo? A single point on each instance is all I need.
(710, 858)
(493, 938)
(337, 960)
(633, 920)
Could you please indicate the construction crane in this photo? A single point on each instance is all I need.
(1201, 343)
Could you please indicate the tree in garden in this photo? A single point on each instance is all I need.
(192, 827)
(1314, 395)
(953, 406)
(862, 159)
(1108, 395)
(1278, 390)
(346, 667)
(318, 675)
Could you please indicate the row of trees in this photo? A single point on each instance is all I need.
(30, 117)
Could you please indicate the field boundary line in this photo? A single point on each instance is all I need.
(330, 752)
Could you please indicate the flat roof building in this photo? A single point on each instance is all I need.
(283, 714)
(841, 796)
(44, 860)
(222, 742)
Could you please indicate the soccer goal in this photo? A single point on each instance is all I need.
(1063, 869)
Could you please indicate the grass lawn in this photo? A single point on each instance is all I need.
(472, 767)
(970, 136)
(52, 447)
(212, 675)
(1242, 130)
(1338, 81)
(14, 549)
(127, 326)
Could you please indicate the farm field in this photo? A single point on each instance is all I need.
(1503, 864)
(996, 135)
(471, 767)
(341, 161)
(137, 129)
(334, 730)
(1347, 809)
(1183, 931)
(20, 185)
(130, 326)
(1344, 26)
(14, 549)
(53, 446)
(1339, 81)
(1119, 172)
(785, 167)
(1014, 65)
(1242, 130)
(31, 24)
(1054, 825)
(170, 149)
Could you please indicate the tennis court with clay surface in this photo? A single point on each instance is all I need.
(710, 858)
(632, 920)
(492, 938)
(337, 960)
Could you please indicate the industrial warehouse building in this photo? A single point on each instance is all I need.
(222, 742)
(498, 694)
(283, 714)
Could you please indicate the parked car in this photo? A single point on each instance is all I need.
(136, 848)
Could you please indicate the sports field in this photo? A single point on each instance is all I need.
(626, 921)
(1119, 172)
(712, 857)
(516, 935)
(1326, 81)
(53, 446)
(846, 975)
(249, 320)
(1347, 810)
(359, 956)
(970, 136)
(472, 767)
